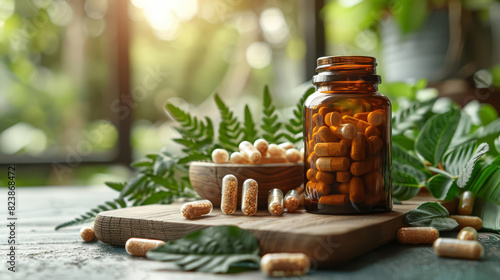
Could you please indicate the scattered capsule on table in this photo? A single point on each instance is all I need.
(456, 248)
(140, 246)
(467, 233)
(261, 145)
(229, 199)
(275, 202)
(467, 221)
(291, 201)
(220, 156)
(249, 197)
(195, 209)
(87, 234)
(285, 264)
(417, 235)
(251, 153)
(466, 203)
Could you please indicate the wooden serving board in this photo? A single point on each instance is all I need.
(327, 239)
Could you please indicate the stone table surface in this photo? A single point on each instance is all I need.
(42, 253)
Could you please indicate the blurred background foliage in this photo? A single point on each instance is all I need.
(57, 101)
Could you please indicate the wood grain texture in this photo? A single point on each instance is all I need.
(206, 178)
(327, 239)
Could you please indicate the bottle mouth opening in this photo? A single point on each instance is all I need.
(332, 61)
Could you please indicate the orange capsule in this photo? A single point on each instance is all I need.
(325, 177)
(362, 116)
(332, 149)
(334, 199)
(333, 118)
(333, 163)
(343, 176)
(359, 168)
(374, 145)
(346, 131)
(356, 190)
(358, 148)
(372, 131)
(323, 111)
(344, 188)
(417, 235)
(376, 117)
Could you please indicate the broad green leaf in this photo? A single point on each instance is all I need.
(115, 186)
(403, 156)
(430, 214)
(457, 157)
(468, 168)
(435, 137)
(407, 118)
(418, 174)
(490, 190)
(488, 211)
(410, 14)
(132, 184)
(404, 186)
(497, 144)
(215, 249)
(442, 187)
(142, 163)
(463, 129)
(403, 141)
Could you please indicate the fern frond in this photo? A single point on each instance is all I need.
(195, 134)
(249, 131)
(295, 126)
(230, 131)
(270, 124)
(90, 216)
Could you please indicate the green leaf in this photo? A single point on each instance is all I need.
(408, 118)
(142, 163)
(497, 144)
(468, 168)
(115, 186)
(410, 14)
(403, 156)
(249, 131)
(90, 216)
(270, 124)
(442, 187)
(457, 157)
(230, 131)
(435, 137)
(132, 184)
(430, 214)
(294, 126)
(488, 211)
(404, 185)
(214, 250)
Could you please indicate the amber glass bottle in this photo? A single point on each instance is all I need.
(347, 139)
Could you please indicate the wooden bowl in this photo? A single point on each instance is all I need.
(206, 178)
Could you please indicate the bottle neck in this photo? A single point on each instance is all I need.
(347, 87)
